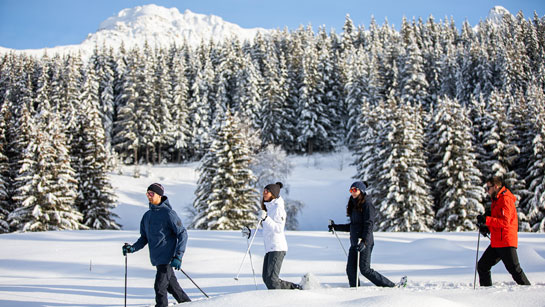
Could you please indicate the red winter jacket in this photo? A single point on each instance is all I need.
(503, 221)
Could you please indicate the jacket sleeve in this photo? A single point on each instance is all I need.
(180, 233)
(277, 221)
(505, 210)
(368, 223)
(342, 227)
(143, 240)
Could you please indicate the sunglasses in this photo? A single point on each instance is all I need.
(150, 193)
(353, 190)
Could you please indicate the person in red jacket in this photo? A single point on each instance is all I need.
(503, 226)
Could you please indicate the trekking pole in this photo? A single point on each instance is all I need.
(358, 266)
(194, 283)
(476, 259)
(126, 278)
(335, 233)
(248, 250)
(252, 263)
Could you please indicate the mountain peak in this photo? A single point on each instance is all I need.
(163, 26)
(495, 15)
(156, 25)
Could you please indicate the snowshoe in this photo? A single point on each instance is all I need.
(402, 283)
(309, 281)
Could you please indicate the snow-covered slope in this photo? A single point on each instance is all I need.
(86, 268)
(157, 25)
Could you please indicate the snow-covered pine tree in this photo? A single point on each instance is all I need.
(274, 116)
(178, 87)
(200, 108)
(134, 126)
(103, 62)
(246, 92)
(356, 91)
(225, 197)
(68, 100)
(47, 188)
(413, 86)
(456, 182)
(499, 143)
(313, 121)
(95, 198)
(369, 142)
(162, 106)
(149, 117)
(5, 199)
(19, 134)
(534, 207)
(330, 76)
(404, 201)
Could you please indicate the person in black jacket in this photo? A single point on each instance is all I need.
(361, 212)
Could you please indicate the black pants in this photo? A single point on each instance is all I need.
(272, 263)
(365, 268)
(510, 259)
(166, 282)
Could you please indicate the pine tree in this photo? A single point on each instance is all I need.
(200, 108)
(162, 106)
(404, 200)
(179, 93)
(534, 207)
(47, 187)
(5, 201)
(499, 143)
(456, 178)
(412, 79)
(225, 196)
(95, 198)
(313, 124)
(275, 114)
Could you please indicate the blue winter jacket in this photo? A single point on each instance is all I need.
(162, 230)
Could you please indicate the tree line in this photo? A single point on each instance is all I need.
(429, 111)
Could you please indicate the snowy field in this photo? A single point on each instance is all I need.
(86, 268)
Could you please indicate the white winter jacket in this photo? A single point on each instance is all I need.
(273, 226)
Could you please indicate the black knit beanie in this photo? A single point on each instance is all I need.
(157, 189)
(274, 188)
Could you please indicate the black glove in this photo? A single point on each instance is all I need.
(483, 229)
(481, 219)
(331, 226)
(127, 249)
(361, 247)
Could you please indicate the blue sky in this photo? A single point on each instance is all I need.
(32, 24)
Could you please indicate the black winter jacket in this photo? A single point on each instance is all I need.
(361, 224)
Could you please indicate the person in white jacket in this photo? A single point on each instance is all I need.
(273, 220)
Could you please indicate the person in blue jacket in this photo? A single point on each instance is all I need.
(162, 230)
(361, 212)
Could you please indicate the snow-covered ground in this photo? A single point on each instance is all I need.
(86, 268)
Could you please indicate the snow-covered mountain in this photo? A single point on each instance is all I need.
(495, 15)
(157, 25)
(163, 26)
